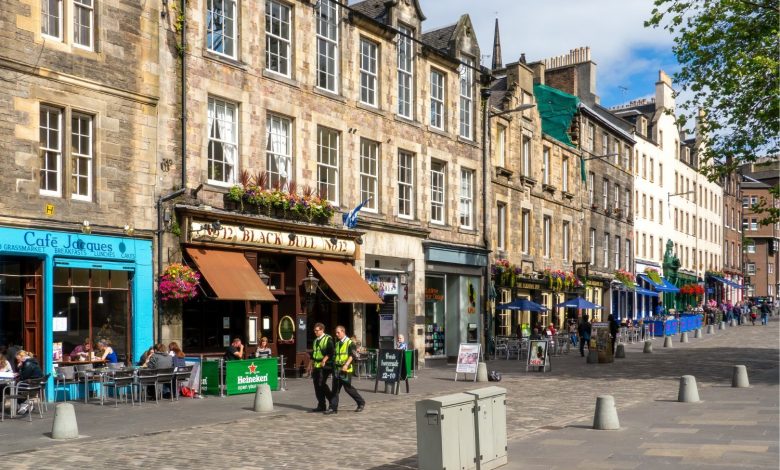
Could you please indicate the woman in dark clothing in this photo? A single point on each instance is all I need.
(613, 329)
(28, 369)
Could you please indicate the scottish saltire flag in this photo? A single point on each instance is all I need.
(350, 219)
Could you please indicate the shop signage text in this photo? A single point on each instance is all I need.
(68, 244)
(274, 239)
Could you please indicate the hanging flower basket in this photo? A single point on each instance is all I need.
(626, 278)
(178, 282)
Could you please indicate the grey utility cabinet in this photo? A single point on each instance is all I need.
(445, 433)
(490, 419)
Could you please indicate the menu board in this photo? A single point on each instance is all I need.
(391, 369)
(601, 340)
(538, 354)
(468, 358)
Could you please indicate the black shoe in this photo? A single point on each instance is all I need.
(317, 410)
(360, 408)
(331, 412)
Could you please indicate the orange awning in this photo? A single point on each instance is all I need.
(230, 275)
(345, 282)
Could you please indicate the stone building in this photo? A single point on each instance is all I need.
(761, 241)
(78, 125)
(732, 238)
(356, 105)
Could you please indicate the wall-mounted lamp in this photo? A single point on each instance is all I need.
(359, 240)
(262, 275)
(403, 278)
(214, 226)
(310, 283)
(86, 228)
(333, 240)
(241, 228)
(291, 237)
(167, 216)
(129, 230)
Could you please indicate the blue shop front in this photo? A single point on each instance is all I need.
(60, 290)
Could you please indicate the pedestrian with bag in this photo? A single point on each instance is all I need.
(345, 351)
(322, 366)
(584, 333)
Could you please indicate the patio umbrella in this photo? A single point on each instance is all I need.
(578, 303)
(522, 304)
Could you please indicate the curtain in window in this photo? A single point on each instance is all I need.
(225, 126)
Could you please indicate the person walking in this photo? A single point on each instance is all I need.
(322, 366)
(765, 312)
(345, 351)
(613, 329)
(584, 332)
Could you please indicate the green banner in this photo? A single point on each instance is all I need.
(209, 378)
(240, 376)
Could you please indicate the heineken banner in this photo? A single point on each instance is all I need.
(241, 376)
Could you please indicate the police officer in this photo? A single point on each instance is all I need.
(322, 366)
(345, 351)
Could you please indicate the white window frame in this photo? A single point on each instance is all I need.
(565, 174)
(53, 145)
(753, 224)
(591, 188)
(604, 143)
(526, 215)
(606, 249)
(750, 269)
(328, 164)
(526, 155)
(466, 99)
(405, 75)
(466, 198)
(566, 234)
(591, 137)
(229, 144)
(438, 84)
(546, 228)
(617, 252)
(46, 14)
(616, 198)
(230, 13)
(501, 145)
(278, 45)
(369, 79)
(87, 6)
(82, 151)
(750, 247)
(501, 226)
(592, 241)
(405, 184)
(545, 165)
(326, 16)
(605, 193)
(628, 254)
(438, 189)
(278, 150)
(369, 174)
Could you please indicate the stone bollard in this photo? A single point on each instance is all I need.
(606, 417)
(620, 351)
(482, 375)
(667, 341)
(739, 379)
(697, 334)
(263, 400)
(593, 357)
(688, 393)
(648, 347)
(722, 326)
(684, 337)
(64, 425)
(732, 322)
(710, 330)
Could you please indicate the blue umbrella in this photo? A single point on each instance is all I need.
(522, 304)
(577, 302)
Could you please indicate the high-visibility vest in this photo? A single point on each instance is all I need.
(317, 355)
(342, 354)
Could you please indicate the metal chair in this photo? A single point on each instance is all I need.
(164, 377)
(84, 372)
(181, 375)
(145, 379)
(66, 376)
(31, 390)
(119, 380)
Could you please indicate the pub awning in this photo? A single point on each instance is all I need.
(664, 287)
(345, 282)
(230, 275)
(727, 282)
(646, 292)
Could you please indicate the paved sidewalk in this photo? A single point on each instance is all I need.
(545, 420)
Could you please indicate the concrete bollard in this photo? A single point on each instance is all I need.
(697, 334)
(688, 393)
(710, 330)
(620, 351)
(667, 341)
(722, 326)
(648, 347)
(606, 417)
(263, 400)
(482, 375)
(593, 357)
(739, 379)
(64, 425)
(732, 322)
(684, 337)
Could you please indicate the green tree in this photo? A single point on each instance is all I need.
(728, 50)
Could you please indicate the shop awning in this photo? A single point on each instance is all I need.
(345, 282)
(670, 287)
(647, 292)
(230, 275)
(727, 282)
(665, 287)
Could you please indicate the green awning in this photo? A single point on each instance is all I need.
(556, 109)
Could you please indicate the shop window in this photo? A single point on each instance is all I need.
(435, 304)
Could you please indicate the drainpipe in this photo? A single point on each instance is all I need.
(159, 233)
(487, 335)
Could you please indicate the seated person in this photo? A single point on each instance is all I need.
(235, 351)
(160, 359)
(5, 366)
(106, 352)
(401, 343)
(263, 350)
(28, 369)
(81, 351)
(550, 331)
(536, 334)
(177, 354)
(144, 361)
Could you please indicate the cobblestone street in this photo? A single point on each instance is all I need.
(546, 419)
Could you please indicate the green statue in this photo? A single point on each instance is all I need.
(671, 263)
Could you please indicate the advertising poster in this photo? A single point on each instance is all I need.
(537, 353)
(601, 341)
(468, 358)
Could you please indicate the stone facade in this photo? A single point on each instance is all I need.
(732, 234)
(761, 241)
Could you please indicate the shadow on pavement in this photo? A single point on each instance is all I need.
(404, 463)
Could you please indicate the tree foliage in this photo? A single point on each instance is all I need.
(728, 50)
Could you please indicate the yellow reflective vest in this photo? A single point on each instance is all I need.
(317, 355)
(342, 354)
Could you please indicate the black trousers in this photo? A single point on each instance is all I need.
(321, 390)
(342, 380)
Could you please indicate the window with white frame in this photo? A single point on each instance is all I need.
(745, 202)
(605, 193)
(221, 27)
(278, 151)
(501, 226)
(223, 141)
(753, 224)
(750, 268)
(661, 213)
(592, 245)
(546, 165)
(661, 175)
(770, 268)
(591, 189)
(627, 158)
(369, 174)
(644, 166)
(652, 208)
(526, 231)
(626, 201)
(81, 131)
(652, 170)
(644, 246)
(328, 164)
(466, 198)
(50, 126)
(368, 72)
(566, 235)
(591, 137)
(405, 71)
(616, 202)
(466, 102)
(51, 18)
(565, 174)
(501, 146)
(437, 191)
(83, 23)
(326, 13)
(546, 225)
(278, 34)
(605, 247)
(604, 143)
(750, 246)
(437, 99)
(616, 152)
(526, 156)
(628, 254)
(617, 253)
(405, 184)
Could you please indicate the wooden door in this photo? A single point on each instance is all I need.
(33, 318)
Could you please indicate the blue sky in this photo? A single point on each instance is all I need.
(627, 54)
